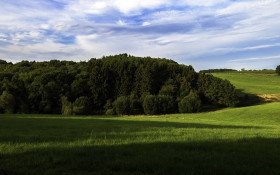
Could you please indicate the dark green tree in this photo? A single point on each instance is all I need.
(122, 105)
(81, 105)
(136, 85)
(150, 105)
(7, 102)
(66, 107)
(190, 103)
(158, 104)
(278, 69)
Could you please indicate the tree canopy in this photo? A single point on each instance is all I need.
(278, 69)
(119, 84)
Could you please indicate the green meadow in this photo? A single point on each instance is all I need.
(242, 140)
(254, 83)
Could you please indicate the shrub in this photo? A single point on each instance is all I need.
(217, 91)
(150, 105)
(80, 106)
(110, 112)
(7, 102)
(158, 104)
(67, 106)
(135, 105)
(190, 103)
(122, 105)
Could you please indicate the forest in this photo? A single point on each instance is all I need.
(217, 70)
(120, 84)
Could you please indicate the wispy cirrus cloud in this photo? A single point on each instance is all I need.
(191, 32)
(256, 58)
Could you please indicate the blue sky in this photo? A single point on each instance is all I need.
(203, 33)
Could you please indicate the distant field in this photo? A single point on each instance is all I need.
(230, 141)
(257, 71)
(259, 84)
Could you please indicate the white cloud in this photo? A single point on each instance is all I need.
(44, 50)
(246, 48)
(133, 6)
(248, 7)
(202, 2)
(215, 27)
(121, 22)
(2, 35)
(256, 58)
(172, 16)
(146, 23)
(81, 7)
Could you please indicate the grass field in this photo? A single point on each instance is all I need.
(253, 83)
(264, 85)
(230, 141)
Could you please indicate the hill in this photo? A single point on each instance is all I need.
(264, 85)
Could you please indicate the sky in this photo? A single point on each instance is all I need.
(206, 34)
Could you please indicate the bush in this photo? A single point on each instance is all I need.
(150, 105)
(66, 107)
(217, 91)
(278, 69)
(80, 106)
(135, 105)
(122, 105)
(190, 103)
(7, 102)
(158, 104)
(110, 112)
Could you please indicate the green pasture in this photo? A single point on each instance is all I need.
(230, 141)
(258, 84)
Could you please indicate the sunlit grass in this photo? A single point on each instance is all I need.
(258, 84)
(206, 143)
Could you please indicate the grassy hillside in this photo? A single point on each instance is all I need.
(231, 141)
(254, 83)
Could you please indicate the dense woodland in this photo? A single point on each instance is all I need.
(120, 84)
(217, 70)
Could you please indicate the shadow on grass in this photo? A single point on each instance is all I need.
(36, 130)
(246, 99)
(246, 156)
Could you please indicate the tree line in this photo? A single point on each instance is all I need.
(217, 70)
(119, 84)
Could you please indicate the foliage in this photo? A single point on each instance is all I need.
(278, 69)
(110, 112)
(217, 91)
(67, 106)
(158, 104)
(190, 103)
(7, 102)
(217, 70)
(122, 105)
(66, 87)
(80, 106)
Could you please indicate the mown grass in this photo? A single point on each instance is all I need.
(230, 141)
